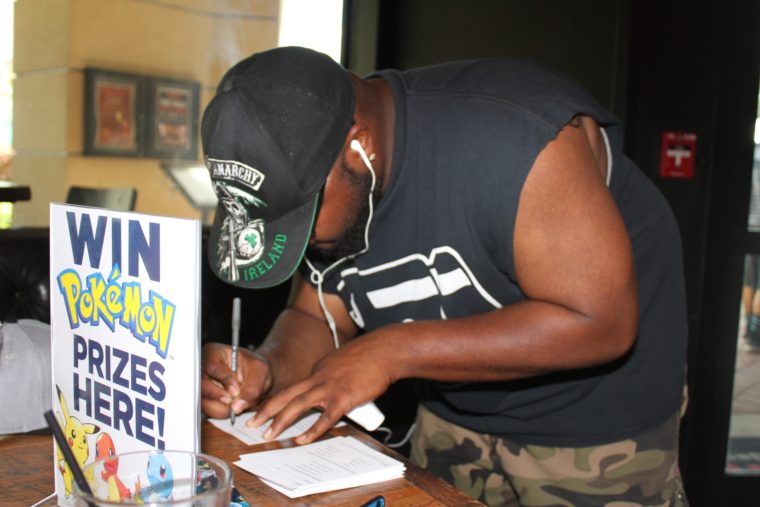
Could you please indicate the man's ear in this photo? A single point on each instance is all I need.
(358, 140)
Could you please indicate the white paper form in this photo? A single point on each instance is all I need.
(327, 465)
(252, 436)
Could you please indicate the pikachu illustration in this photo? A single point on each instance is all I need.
(76, 435)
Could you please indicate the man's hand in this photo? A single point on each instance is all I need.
(347, 378)
(220, 386)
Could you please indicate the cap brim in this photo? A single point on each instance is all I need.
(236, 254)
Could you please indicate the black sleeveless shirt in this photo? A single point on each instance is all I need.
(467, 134)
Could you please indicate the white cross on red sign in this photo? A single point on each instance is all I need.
(677, 155)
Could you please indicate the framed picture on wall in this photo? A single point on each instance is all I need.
(171, 119)
(113, 113)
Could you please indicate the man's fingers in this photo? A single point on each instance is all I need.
(216, 367)
(212, 389)
(215, 409)
(319, 428)
(284, 409)
(222, 389)
(287, 416)
(288, 406)
(274, 405)
(221, 372)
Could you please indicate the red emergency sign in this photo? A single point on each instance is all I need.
(677, 155)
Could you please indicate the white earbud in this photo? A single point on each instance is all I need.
(357, 147)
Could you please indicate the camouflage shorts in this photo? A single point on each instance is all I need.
(630, 473)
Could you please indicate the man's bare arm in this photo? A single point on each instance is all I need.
(575, 266)
(300, 336)
(298, 339)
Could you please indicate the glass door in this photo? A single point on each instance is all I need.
(721, 446)
(743, 446)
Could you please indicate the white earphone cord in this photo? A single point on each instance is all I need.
(318, 277)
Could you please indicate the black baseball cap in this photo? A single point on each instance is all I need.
(270, 136)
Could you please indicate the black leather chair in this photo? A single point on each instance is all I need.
(24, 274)
(117, 199)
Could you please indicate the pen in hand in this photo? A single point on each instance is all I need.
(235, 343)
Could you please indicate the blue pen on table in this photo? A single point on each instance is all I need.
(68, 455)
(235, 344)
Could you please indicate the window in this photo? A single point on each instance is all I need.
(6, 103)
(316, 24)
(6, 75)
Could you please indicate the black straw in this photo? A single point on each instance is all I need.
(67, 454)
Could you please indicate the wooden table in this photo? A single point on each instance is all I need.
(26, 475)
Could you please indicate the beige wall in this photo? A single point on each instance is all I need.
(56, 39)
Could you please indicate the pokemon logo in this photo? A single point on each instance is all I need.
(109, 301)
